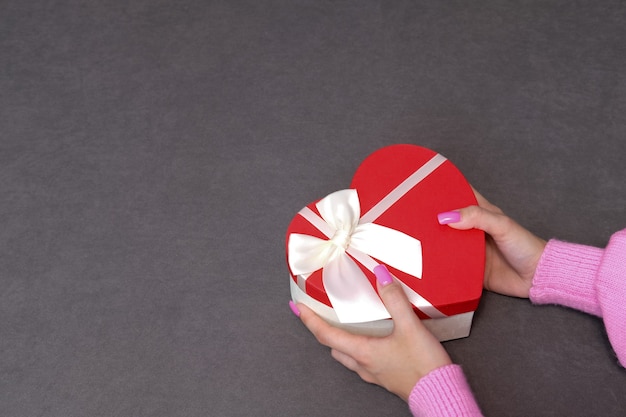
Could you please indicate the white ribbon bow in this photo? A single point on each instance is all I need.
(349, 291)
(353, 298)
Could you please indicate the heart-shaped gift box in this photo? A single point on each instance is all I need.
(389, 216)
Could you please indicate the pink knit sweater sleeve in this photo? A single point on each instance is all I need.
(588, 279)
(577, 276)
(443, 392)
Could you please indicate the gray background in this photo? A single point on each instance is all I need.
(152, 154)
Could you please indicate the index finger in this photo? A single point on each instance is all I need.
(327, 334)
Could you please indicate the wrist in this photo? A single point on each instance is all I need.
(443, 392)
(565, 275)
(415, 377)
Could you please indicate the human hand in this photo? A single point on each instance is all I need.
(395, 362)
(512, 252)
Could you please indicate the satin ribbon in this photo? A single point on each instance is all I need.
(352, 296)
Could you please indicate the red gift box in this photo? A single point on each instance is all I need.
(389, 215)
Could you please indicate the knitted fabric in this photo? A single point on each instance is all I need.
(588, 279)
(443, 392)
(581, 277)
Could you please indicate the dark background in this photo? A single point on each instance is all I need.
(152, 154)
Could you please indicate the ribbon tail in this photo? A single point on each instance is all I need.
(417, 300)
(389, 246)
(420, 302)
(350, 292)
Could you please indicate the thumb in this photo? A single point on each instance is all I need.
(395, 299)
(493, 222)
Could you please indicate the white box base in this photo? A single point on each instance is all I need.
(447, 328)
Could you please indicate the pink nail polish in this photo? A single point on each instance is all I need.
(449, 217)
(294, 308)
(382, 275)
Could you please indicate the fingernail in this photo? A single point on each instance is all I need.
(382, 275)
(448, 217)
(294, 308)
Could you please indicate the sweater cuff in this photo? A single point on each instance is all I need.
(443, 392)
(566, 275)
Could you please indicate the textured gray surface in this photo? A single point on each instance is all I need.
(152, 154)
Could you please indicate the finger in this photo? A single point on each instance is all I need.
(327, 334)
(459, 219)
(475, 217)
(345, 359)
(482, 202)
(395, 299)
(353, 365)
